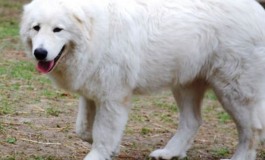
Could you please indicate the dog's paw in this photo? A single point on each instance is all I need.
(85, 136)
(83, 132)
(164, 154)
(94, 155)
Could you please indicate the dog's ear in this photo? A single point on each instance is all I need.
(82, 21)
(75, 11)
(78, 17)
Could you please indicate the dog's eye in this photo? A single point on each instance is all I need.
(57, 29)
(36, 28)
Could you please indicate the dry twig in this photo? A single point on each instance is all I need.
(45, 143)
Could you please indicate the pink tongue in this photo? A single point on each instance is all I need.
(45, 66)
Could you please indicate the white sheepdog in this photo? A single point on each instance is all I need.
(108, 50)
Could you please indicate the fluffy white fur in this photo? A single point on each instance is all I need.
(116, 48)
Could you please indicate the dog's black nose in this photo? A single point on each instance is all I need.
(40, 54)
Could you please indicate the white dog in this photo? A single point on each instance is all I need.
(108, 50)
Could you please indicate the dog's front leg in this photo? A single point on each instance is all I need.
(110, 120)
(85, 119)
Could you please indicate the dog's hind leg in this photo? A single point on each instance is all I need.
(248, 113)
(85, 119)
(238, 81)
(189, 102)
(258, 121)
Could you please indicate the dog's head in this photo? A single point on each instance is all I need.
(48, 28)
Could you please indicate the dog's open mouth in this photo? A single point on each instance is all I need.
(47, 66)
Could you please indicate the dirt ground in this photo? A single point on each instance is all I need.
(37, 120)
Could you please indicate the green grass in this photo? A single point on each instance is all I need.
(53, 112)
(221, 152)
(14, 75)
(210, 95)
(35, 157)
(145, 131)
(11, 140)
(8, 158)
(166, 105)
(138, 118)
(5, 107)
(2, 128)
(167, 118)
(20, 70)
(43, 158)
(12, 5)
(223, 117)
(9, 25)
(8, 29)
(49, 93)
